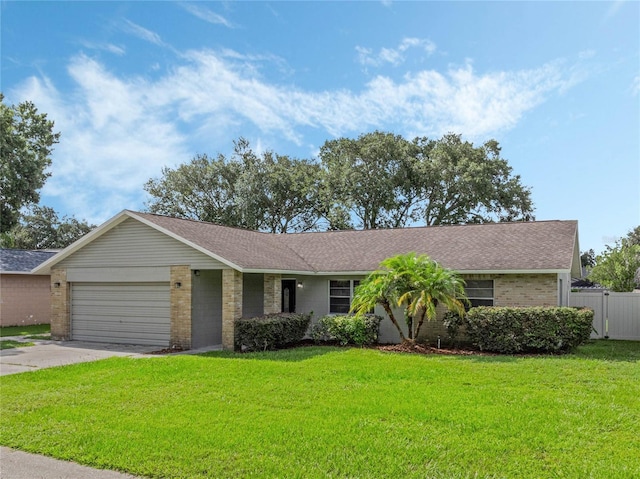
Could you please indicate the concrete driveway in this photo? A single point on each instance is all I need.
(48, 353)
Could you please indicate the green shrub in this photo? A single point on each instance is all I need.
(358, 330)
(271, 331)
(515, 330)
(454, 324)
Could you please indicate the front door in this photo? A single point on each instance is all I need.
(288, 295)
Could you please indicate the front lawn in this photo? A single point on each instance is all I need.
(330, 412)
(25, 330)
(12, 344)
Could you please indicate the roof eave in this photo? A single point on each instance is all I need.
(366, 272)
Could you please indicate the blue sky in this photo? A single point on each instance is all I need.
(136, 86)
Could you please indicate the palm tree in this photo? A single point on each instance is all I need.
(414, 281)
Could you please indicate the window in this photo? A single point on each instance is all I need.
(341, 294)
(479, 292)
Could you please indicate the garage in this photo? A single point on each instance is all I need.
(127, 313)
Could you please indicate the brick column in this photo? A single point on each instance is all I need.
(180, 307)
(272, 293)
(60, 305)
(231, 305)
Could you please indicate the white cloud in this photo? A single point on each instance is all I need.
(206, 14)
(113, 139)
(142, 33)
(635, 86)
(117, 131)
(613, 9)
(586, 54)
(394, 56)
(108, 47)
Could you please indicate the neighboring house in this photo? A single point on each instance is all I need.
(149, 279)
(583, 284)
(24, 298)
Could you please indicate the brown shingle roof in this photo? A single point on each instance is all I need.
(520, 246)
(243, 248)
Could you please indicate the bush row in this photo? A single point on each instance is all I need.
(516, 330)
(358, 330)
(271, 331)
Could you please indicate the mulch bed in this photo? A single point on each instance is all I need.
(413, 348)
(167, 351)
(422, 349)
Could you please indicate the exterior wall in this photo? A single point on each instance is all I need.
(206, 316)
(272, 293)
(509, 290)
(231, 305)
(60, 305)
(180, 287)
(564, 289)
(252, 295)
(25, 299)
(525, 290)
(133, 244)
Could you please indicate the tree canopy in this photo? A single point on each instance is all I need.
(41, 228)
(267, 192)
(618, 267)
(26, 141)
(378, 180)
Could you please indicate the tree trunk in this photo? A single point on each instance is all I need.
(387, 308)
(421, 314)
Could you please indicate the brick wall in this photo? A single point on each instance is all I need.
(60, 305)
(24, 299)
(272, 293)
(180, 307)
(231, 305)
(526, 290)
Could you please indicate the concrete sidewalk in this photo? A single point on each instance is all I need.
(23, 465)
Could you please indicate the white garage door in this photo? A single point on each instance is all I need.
(131, 313)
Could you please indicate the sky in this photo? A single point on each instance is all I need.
(134, 87)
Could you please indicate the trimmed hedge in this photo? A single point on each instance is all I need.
(271, 331)
(517, 330)
(358, 330)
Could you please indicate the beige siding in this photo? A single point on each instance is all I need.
(24, 299)
(131, 244)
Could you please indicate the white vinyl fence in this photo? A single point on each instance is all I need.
(616, 315)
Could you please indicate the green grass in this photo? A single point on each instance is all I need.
(11, 344)
(330, 412)
(25, 330)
